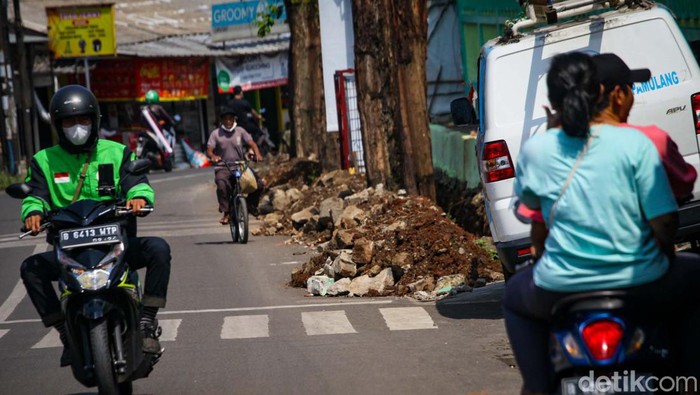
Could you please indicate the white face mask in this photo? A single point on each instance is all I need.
(77, 134)
(229, 130)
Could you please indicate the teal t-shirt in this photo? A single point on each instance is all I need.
(600, 237)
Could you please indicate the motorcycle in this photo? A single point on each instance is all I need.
(607, 342)
(100, 295)
(156, 143)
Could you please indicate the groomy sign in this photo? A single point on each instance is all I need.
(236, 19)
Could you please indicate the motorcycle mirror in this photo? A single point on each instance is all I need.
(19, 191)
(138, 167)
(462, 112)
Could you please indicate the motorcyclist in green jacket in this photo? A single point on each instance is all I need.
(54, 177)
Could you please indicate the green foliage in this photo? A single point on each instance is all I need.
(486, 244)
(265, 20)
(7, 179)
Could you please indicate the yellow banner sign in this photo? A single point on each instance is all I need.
(81, 31)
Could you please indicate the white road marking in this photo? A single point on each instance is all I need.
(179, 178)
(18, 292)
(285, 263)
(407, 318)
(245, 327)
(240, 309)
(169, 329)
(3, 332)
(296, 306)
(326, 323)
(51, 340)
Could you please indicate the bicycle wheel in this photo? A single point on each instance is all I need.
(233, 219)
(241, 219)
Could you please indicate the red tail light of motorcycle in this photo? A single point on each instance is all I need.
(602, 337)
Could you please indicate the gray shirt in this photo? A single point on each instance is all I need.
(231, 146)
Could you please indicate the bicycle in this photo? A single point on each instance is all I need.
(238, 208)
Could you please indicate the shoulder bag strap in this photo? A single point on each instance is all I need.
(591, 136)
(83, 174)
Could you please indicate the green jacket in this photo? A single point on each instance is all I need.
(54, 174)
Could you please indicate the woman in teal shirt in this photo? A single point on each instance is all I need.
(611, 220)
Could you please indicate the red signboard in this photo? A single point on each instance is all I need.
(129, 79)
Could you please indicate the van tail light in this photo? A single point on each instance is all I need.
(496, 162)
(602, 337)
(695, 100)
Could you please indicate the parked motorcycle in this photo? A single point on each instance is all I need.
(100, 295)
(156, 143)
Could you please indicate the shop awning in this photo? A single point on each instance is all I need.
(200, 45)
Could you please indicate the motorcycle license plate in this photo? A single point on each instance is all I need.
(601, 386)
(89, 236)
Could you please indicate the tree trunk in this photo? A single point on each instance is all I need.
(390, 55)
(307, 104)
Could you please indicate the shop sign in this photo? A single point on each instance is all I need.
(237, 19)
(81, 31)
(251, 72)
(130, 79)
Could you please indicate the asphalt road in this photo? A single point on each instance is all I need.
(232, 326)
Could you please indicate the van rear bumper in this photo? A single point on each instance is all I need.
(508, 254)
(689, 221)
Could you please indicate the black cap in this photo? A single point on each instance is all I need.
(614, 71)
(223, 110)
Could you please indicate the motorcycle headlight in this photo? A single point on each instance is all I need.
(93, 280)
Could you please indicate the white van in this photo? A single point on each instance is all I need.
(512, 92)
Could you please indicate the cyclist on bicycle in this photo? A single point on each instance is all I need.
(230, 142)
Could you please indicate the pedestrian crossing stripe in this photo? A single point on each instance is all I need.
(245, 327)
(258, 326)
(3, 332)
(326, 323)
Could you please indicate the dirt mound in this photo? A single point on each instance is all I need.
(378, 230)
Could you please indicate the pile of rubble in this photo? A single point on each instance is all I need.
(370, 241)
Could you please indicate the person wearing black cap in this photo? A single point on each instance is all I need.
(617, 101)
(610, 218)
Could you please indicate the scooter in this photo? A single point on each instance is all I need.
(100, 296)
(607, 342)
(156, 144)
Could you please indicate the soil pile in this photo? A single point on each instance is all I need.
(368, 235)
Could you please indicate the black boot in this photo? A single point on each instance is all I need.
(65, 355)
(150, 330)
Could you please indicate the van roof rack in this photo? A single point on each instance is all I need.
(551, 11)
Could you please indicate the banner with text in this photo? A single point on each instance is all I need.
(251, 72)
(81, 31)
(129, 79)
(235, 20)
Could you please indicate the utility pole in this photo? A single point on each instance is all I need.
(10, 143)
(25, 86)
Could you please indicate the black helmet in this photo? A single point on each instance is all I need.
(223, 110)
(70, 101)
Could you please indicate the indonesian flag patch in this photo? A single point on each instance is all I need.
(60, 178)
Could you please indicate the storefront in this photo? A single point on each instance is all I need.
(121, 85)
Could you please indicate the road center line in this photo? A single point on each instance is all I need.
(18, 292)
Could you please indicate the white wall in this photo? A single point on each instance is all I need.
(337, 53)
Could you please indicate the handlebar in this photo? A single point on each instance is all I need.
(118, 211)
